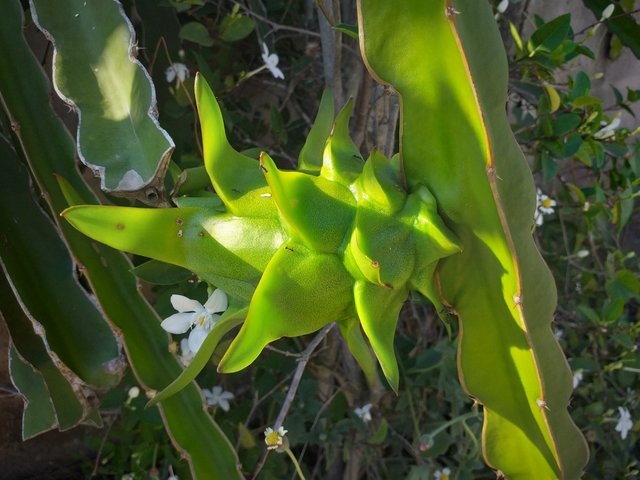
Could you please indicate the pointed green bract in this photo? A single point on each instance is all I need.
(341, 161)
(456, 141)
(310, 158)
(378, 309)
(226, 250)
(300, 292)
(322, 228)
(236, 178)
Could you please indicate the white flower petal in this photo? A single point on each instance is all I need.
(185, 304)
(217, 302)
(224, 405)
(502, 6)
(606, 13)
(196, 338)
(178, 322)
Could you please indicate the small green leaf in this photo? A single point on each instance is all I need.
(236, 27)
(350, 30)
(160, 273)
(197, 33)
(549, 36)
(380, 435)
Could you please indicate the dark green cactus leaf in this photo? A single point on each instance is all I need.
(378, 309)
(228, 251)
(310, 158)
(38, 415)
(300, 292)
(236, 178)
(321, 228)
(342, 161)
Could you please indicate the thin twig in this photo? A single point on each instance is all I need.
(96, 464)
(620, 15)
(277, 26)
(293, 388)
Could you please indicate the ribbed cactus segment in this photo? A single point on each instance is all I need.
(456, 140)
(339, 246)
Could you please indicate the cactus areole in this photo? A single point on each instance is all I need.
(345, 240)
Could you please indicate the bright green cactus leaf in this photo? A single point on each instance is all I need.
(378, 309)
(341, 161)
(236, 178)
(228, 251)
(310, 158)
(300, 292)
(97, 73)
(456, 140)
(38, 415)
(322, 228)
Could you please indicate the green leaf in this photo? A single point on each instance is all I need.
(119, 135)
(623, 25)
(565, 123)
(236, 27)
(380, 435)
(197, 33)
(350, 30)
(456, 141)
(549, 36)
(160, 273)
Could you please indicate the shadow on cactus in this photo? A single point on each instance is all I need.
(341, 239)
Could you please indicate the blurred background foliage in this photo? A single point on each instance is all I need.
(587, 166)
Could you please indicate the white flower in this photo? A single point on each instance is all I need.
(172, 477)
(177, 71)
(271, 62)
(577, 378)
(217, 397)
(586, 207)
(274, 438)
(607, 130)
(502, 6)
(186, 355)
(584, 253)
(606, 13)
(364, 412)
(133, 392)
(558, 334)
(544, 206)
(624, 423)
(442, 474)
(193, 314)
